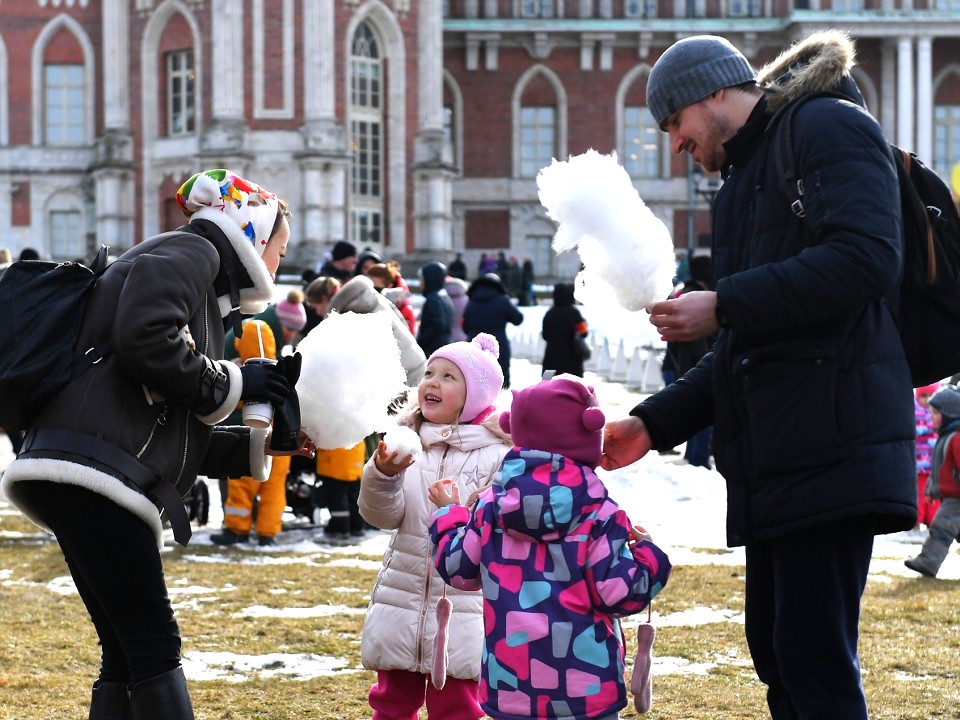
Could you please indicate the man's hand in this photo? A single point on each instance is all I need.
(624, 442)
(388, 463)
(688, 317)
(305, 446)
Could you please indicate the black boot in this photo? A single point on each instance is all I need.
(163, 697)
(229, 537)
(110, 701)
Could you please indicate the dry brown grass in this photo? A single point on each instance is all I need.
(910, 643)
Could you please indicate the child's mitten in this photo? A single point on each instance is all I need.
(641, 684)
(439, 673)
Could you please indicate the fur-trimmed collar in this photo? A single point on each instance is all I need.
(254, 299)
(821, 61)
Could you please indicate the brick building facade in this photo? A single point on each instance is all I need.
(414, 127)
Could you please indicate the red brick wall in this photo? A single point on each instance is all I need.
(486, 229)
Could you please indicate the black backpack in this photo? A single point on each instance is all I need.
(928, 316)
(43, 304)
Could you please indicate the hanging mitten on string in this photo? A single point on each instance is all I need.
(439, 674)
(641, 684)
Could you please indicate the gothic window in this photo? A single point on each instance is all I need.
(181, 93)
(946, 138)
(63, 104)
(366, 137)
(641, 151)
(538, 135)
(66, 235)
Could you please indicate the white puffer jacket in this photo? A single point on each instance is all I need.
(401, 621)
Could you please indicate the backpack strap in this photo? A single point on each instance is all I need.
(931, 273)
(788, 180)
(96, 448)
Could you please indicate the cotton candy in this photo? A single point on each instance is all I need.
(351, 372)
(626, 251)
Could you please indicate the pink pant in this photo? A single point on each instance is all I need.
(399, 695)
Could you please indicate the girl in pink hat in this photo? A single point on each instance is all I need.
(460, 440)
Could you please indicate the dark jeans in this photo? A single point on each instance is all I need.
(802, 619)
(113, 558)
(698, 448)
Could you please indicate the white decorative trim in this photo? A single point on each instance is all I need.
(393, 48)
(229, 403)
(149, 101)
(70, 473)
(562, 108)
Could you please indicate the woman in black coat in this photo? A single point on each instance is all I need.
(130, 435)
(561, 324)
(488, 310)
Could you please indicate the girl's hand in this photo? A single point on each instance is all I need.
(388, 463)
(638, 533)
(444, 492)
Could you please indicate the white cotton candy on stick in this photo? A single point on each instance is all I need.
(403, 441)
(351, 372)
(621, 243)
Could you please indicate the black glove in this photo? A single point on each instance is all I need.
(264, 383)
(289, 366)
(286, 414)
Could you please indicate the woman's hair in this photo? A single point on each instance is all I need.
(321, 288)
(283, 211)
(384, 272)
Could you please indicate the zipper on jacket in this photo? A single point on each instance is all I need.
(428, 575)
(160, 421)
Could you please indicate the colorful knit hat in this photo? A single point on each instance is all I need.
(558, 416)
(249, 205)
(477, 360)
(290, 311)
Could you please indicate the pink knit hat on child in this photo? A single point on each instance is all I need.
(559, 416)
(477, 360)
(290, 311)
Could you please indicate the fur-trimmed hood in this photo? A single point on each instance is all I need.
(819, 62)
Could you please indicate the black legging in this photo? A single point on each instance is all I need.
(115, 564)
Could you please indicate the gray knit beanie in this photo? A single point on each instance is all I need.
(946, 401)
(691, 69)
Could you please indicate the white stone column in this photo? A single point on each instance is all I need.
(433, 154)
(925, 98)
(888, 88)
(319, 45)
(227, 38)
(116, 68)
(905, 94)
(113, 171)
(430, 64)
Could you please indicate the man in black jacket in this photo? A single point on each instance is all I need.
(807, 386)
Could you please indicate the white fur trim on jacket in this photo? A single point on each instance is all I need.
(233, 395)
(252, 300)
(62, 471)
(260, 462)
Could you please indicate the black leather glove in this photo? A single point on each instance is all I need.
(289, 366)
(264, 383)
(286, 414)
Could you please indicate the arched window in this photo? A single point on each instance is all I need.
(63, 104)
(946, 122)
(366, 137)
(641, 152)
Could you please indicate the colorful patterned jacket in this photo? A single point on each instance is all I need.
(551, 552)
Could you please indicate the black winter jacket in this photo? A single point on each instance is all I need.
(158, 305)
(558, 330)
(807, 388)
